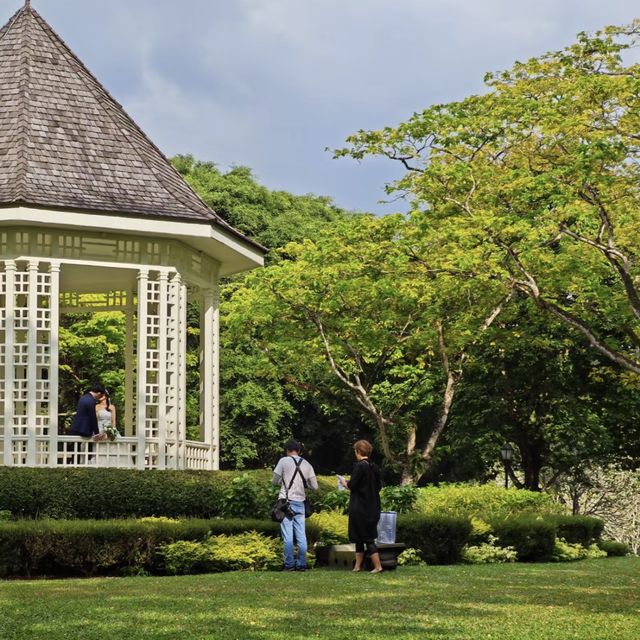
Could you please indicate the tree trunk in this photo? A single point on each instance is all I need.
(407, 477)
(532, 465)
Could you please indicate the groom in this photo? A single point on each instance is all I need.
(85, 422)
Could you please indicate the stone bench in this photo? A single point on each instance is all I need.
(343, 556)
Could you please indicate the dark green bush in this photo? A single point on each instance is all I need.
(613, 548)
(440, 539)
(532, 538)
(110, 493)
(401, 499)
(583, 530)
(244, 497)
(335, 501)
(105, 547)
(102, 494)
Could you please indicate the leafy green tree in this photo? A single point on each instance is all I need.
(535, 384)
(360, 304)
(273, 218)
(537, 182)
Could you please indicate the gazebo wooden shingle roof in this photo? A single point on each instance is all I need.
(65, 142)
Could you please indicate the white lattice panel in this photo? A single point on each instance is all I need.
(42, 453)
(26, 359)
(19, 451)
(172, 362)
(150, 343)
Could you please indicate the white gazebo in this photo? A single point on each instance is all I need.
(93, 217)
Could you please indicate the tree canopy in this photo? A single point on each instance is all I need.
(538, 181)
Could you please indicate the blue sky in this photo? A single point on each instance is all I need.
(270, 83)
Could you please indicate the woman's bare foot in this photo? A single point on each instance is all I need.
(376, 570)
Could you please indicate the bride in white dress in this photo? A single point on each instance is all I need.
(106, 414)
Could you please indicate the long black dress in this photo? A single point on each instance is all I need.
(364, 502)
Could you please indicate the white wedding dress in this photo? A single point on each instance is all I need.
(104, 419)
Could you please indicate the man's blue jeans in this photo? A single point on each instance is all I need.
(293, 533)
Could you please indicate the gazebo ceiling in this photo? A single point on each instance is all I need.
(66, 144)
(88, 279)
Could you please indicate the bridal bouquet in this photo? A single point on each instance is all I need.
(111, 432)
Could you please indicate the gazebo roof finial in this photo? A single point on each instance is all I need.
(27, 4)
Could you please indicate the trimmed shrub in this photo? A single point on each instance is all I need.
(184, 557)
(246, 551)
(102, 494)
(105, 547)
(411, 558)
(487, 502)
(569, 551)
(613, 548)
(110, 493)
(332, 527)
(440, 539)
(489, 553)
(583, 530)
(532, 538)
(250, 550)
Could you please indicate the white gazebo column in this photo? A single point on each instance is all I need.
(210, 362)
(141, 367)
(162, 369)
(181, 430)
(129, 358)
(32, 370)
(54, 319)
(172, 374)
(9, 366)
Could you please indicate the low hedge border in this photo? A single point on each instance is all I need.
(532, 537)
(584, 530)
(614, 549)
(110, 493)
(103, 494)
(440, 539)
(107, 547)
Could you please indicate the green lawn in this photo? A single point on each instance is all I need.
(590, 600)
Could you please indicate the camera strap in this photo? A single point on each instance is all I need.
(297, 462)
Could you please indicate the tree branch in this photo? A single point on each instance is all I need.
(576, 323)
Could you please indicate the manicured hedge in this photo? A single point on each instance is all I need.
(440, 539)
(583, 530)
(486, 502)
(127, 493)
(532, 538)
(613, 548)
(106, 547)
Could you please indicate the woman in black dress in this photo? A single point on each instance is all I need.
(364, 506)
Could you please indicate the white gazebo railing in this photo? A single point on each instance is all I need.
(125, 453)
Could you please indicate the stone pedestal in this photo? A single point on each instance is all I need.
(343, 556)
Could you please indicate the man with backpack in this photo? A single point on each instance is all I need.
(294, 474)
